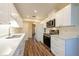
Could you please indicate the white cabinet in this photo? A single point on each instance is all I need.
(39, 32)
(71, 47)
(61, 47)
(75, 14)
(68, 16)
(4, 13)
(8, 13)
(15, 15)
(78, 46)
(63, 16)
(57, 46)
(20, 49)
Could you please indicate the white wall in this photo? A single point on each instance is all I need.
(27, 28)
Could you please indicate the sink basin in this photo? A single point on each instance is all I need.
(5, 50)
(14, 36)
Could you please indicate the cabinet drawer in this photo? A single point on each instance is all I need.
(58, 45)
(57, 41)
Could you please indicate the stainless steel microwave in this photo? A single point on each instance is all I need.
(51, 23)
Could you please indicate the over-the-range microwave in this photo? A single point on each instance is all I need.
(50, 23)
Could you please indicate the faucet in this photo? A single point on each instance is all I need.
(9, 34)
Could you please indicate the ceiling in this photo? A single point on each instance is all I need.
(37, 10)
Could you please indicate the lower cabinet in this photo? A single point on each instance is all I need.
(20, 49)
(65, 47)
(71, 47)
(18, 52)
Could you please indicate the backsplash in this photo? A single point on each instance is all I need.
(66, 31)
(16, 30)
(4, 29)
(69, 31)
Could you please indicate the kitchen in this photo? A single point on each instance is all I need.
(59, 29)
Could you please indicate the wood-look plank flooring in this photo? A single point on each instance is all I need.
(36, 48)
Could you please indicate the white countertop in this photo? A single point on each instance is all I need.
(9, 46)
(65, 37)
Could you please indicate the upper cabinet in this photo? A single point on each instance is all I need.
(68, 16)
(4, 13)
(75, 14)
(8, 13)
(63, 16)
(15, 15)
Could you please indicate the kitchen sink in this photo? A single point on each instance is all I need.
(13, 36)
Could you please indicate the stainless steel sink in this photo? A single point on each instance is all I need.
(14, 36)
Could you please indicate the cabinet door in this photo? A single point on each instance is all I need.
(20, 49)
(4, 13)
(75, 14)
(57, 46)
(66, 16)
(63, 17)
(39, 32)
(59, 19)
(78, 46)
(71, 47)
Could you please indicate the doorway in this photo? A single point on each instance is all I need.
(33, 30)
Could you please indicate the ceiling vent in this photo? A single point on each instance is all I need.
(33, 16)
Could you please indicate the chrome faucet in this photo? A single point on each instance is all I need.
(9, 34)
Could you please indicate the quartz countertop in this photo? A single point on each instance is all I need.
(9, 46)
(65, 37)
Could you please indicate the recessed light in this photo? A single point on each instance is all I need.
(35, 11)
(33, 20)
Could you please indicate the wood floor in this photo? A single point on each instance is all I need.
(35, 48)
